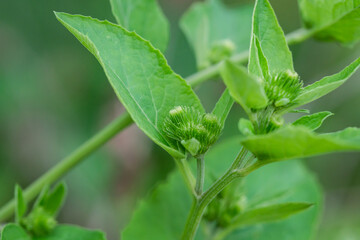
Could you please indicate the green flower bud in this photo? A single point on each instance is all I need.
(282, 89)
(189, 128)
(39, 222)
(221, 50)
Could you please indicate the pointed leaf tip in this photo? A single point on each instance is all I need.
(313, 121)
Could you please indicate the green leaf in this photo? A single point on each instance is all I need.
(298, 142)
(345, 30)
(54, 200)
(41, 197)
(223, 107)
(154, 217)
(139, 74)
(145, 17)
(14, 232)
(69, 232)
(268, 44)
(259, 65)
(166, 209)
(267, 214)
(333, 19)
(21, 205)
(300, 185)
(299, 111)
(246, 89)
(212, 29)
(326, 85)
(270, 213)
(313, 121)
(320, 13)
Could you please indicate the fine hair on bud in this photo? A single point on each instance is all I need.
(191, 129)
(283, 88)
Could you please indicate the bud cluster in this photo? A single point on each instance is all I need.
(226, 207)
(39, 222)
(195, 131)
(283, 88)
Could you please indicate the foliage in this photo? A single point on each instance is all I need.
(237, 196)
(145, 18)
(332, 20)
(40, 223)
(295, 189)
(212, 39)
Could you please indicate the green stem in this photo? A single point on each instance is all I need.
(294, 37)
(120, 123)
(240, 159)
(69, 162)
(299, 35)
(199, 204)
(186, 173)
(200, 177)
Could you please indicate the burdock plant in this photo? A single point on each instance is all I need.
(219, 199)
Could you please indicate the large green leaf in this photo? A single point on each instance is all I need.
(163, 214)
(246, 89)
(333, 19)
(284, 182)
(295, 141)
(14, 232)
(69, 232)
(326, 85)
(313, 121)
(139, 74)
(145, 17)
(346, 30)
(212, 28)
(268, 42)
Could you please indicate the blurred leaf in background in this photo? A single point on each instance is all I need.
(216, 31)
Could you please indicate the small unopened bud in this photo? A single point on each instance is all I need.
(221, 50)
(283, 88)
(196, 132)
(39, 222)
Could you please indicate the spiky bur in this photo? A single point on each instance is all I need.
(283, 88)
(192, 130)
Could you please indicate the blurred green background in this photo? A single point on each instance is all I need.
(54, 95)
